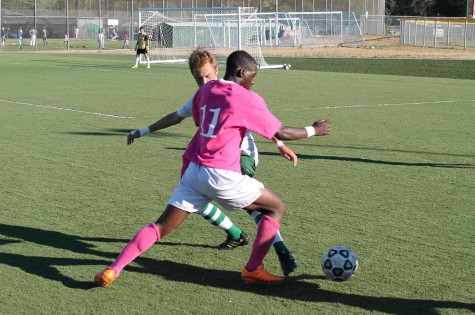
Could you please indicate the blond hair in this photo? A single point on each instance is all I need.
(199, 57)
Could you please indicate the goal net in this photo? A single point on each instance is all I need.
(175, 32)
(309, 29)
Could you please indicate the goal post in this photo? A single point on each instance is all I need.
(175, 32)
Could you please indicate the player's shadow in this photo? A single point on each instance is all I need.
(72, 243)
(367, 149)
(299, 288)
(124, 132)
(389, 150)
(46, 267)
(372, 161)
(295, 288)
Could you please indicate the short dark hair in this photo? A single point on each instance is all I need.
(237, 60)
(141, 27)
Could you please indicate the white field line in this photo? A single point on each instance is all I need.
(287, 109)
(79, 68)
(375, 105)
(64, 109)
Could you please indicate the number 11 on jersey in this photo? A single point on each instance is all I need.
(212, 125)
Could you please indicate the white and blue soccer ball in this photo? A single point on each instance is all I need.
(339, 263)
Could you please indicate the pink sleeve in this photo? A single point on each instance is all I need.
(259, 119)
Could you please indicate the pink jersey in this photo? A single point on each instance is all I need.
(224, 110)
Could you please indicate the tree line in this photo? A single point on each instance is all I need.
(443, 8)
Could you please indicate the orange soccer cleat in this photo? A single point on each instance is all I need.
(104, 278)
(260, 275)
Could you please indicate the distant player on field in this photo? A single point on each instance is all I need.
(20, 37)
(33, 33)
(126, 41)
(66, 36)
(100, 39)
(142, 47)
(4, 36)
(223, 110)
(45, 36)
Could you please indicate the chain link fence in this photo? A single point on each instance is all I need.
(438, 32)
(78, 22)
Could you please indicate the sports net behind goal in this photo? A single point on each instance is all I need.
(309, 29)
(176, 32)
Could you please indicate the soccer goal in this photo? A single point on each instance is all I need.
(175, 32)
(284, 29)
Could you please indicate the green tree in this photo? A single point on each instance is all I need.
(452, 8)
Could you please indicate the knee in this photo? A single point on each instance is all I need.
(283, 208)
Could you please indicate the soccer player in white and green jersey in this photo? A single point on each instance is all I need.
(141, 48)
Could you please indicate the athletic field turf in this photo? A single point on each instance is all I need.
(394, 182)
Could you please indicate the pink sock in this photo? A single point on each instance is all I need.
(142, 241)
(266, 231)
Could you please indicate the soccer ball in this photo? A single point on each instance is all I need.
(339, 263)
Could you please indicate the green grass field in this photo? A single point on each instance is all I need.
(394, 182)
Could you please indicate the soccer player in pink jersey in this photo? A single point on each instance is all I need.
(223, 110)
(204, 68)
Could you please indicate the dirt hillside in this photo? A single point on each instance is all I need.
(374, 47)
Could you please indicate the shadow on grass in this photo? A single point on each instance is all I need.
(72, 243)
(294, 288)
(301, 288)
(45, 267)
(161, 133)
(393, 150)
(116, 132)
(382, 162)
(125, 132)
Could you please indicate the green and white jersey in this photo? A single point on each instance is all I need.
(248, 145)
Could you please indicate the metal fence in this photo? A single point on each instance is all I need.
(438, 32)
(86, 18)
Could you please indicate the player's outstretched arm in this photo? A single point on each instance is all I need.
(167, 121)
(285, 151)
(319, 128)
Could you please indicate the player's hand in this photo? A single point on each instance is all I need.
(287, 153)
(322, 127)
(134, 134)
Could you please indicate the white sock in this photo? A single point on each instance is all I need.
(214, 216)
(137, 60)
(277, 238)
